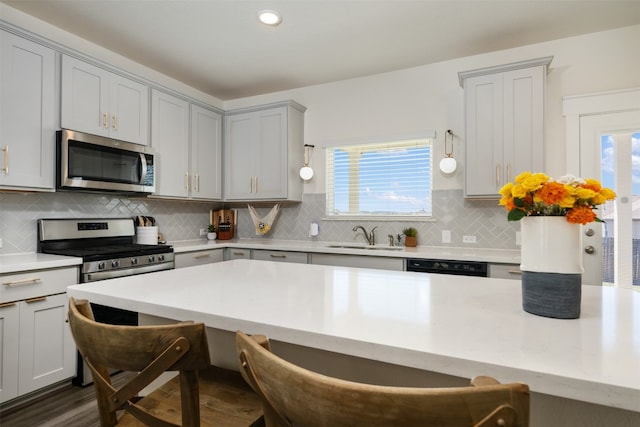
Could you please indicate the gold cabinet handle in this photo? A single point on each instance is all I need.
(186, 181)
(196, 183)
(239, 253)
(114, 122)
(277, 256)
(7, 304)
(250, 184)
(498, 175)
(104, 120)
(28, 281)
(36, 299)
(517, 272)
(256, 184)
(202, 256)
(6, 159)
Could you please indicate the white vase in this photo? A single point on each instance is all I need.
(551, 264)
(550, 244)
(212, 236)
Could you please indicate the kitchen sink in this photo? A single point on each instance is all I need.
(367, 247)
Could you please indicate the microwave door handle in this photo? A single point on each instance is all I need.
(143, 168)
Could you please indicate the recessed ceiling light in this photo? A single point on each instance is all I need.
(269, 17)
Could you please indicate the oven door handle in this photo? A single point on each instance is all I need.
(112, 274)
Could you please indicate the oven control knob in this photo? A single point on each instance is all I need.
(101, 265)
(134, 261)
(152, 258)
(160, 257)
(115, 263)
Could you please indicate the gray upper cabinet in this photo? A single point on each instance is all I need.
(28, 120)
(187, 140)
(263, 151)
(170, 140)
(504, 124)
(206, 154)
(102, 103)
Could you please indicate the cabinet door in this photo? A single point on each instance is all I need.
(170, 139)
(239, 156)
(206, 152)
(129, 109)
(28, 120)
(85, 97)
(523, 122)
(484, 133)
(9, 351)
(47, 350)
(272, 155)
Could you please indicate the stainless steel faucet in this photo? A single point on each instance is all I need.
(371, 236)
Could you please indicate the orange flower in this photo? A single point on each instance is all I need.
(550, 193)
(581, 215)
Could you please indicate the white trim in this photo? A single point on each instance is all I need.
(576, 106)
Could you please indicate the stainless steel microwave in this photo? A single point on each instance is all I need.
(94, 163)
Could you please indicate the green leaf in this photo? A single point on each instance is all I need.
(518, 202)
(515, 215)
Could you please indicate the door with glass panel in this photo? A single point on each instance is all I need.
(610, 152)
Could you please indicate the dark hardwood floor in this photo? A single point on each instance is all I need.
(69, 407)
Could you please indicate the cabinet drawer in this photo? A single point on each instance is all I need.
(505, 271)
(35, 283)
(198, 258)
(234, 253)
(280, 256)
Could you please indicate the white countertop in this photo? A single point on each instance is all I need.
(456, 325)
(14, 263)
(503, 256)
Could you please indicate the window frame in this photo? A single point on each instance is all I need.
(428, 140)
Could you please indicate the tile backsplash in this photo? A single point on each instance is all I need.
(182, 220)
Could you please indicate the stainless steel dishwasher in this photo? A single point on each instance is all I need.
(443, 266)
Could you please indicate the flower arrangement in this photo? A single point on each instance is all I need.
(535, 194)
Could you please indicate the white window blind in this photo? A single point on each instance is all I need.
(387, 179)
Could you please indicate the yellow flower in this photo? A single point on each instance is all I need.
(534, 181)
(585, 193)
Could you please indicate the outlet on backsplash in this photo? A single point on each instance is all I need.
(468, 239)
(446, 236)
(203, 231)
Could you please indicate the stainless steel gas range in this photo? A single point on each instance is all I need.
(107, 249)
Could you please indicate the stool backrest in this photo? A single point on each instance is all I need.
(149, 350)
(294, 396)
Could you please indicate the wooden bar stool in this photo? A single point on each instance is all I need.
(199, 394)
(293, 396)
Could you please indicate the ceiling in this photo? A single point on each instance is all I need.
(220, 48)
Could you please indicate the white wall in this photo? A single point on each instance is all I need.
(429, 97)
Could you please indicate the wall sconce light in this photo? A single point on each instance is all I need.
(306, 173)
(448, 164)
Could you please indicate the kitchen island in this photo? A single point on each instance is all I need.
(582, 372)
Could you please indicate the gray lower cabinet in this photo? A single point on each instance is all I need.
(36, 346)
(189, 259)
(279, 256)
(363, 261)
(505, 271)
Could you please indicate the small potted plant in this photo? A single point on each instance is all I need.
(410, 237)
(211, 235)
